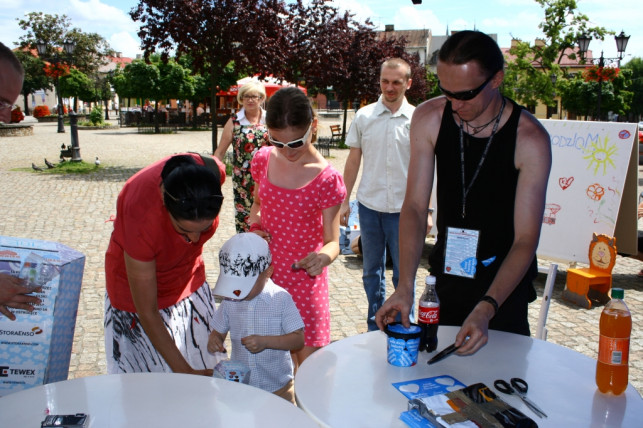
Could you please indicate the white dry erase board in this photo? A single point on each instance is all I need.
(592, 188)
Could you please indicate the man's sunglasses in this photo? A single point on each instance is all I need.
(294, 144)
(466, 95)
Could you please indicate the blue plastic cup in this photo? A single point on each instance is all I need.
(403, 344)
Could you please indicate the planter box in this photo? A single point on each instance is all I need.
(47, 119)
(16, 130)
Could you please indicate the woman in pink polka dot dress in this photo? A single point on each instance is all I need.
(296, 208)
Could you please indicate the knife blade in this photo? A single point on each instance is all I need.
(443, 354)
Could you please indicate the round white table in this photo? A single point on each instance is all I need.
(349, 382)
(152, 400)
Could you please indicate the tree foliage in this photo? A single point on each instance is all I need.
(35, 77)
(310, 43)
(580, 95)
(247, 33)
(77, 84)
(528, 73)
(90, 53)
(635, 66)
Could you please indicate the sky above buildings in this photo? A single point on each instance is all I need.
(506, 18)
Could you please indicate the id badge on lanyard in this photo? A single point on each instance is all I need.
(461, 252)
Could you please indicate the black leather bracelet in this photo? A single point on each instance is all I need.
(492, 302)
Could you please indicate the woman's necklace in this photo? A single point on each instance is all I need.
(254, 120)
(473, 130)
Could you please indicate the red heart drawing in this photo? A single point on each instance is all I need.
(236, 292)
(565, 182)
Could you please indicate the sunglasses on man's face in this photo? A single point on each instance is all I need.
(466, 95)
(294, 144)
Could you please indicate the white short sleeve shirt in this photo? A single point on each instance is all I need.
(384, 140)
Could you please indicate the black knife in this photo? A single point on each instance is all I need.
(443, 354)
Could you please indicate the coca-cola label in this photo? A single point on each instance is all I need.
(429, 315)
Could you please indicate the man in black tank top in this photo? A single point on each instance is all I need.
(492, 161)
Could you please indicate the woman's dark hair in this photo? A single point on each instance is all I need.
(191, 191)
(289, 107)
(466, 46)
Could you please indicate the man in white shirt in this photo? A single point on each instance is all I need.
(379, 134)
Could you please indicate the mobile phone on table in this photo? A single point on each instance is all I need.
(79, 420)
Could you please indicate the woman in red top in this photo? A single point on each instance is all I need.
(158, 306)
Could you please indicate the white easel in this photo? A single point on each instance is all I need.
(551, 271)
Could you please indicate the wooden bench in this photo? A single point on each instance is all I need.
(336, 135)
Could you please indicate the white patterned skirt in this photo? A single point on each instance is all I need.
(129, 350)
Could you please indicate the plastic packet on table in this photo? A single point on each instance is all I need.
(233, 371)
(471, 406)
(36, 271)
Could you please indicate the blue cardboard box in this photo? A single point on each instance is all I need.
(35, 349)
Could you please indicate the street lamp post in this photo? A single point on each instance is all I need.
(57, 58)
(583, 46)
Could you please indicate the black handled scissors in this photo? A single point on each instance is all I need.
(518, 387)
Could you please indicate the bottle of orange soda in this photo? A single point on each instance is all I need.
(614, 345)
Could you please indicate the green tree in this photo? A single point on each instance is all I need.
(35, 77)
(528, 72)
(635, 66)
(579, 95)
(215, 33)
(78, 85)
(123, 87)
(90, 53)
(143, 79)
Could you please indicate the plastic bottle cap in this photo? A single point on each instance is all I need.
(617, 293)
(430, 279)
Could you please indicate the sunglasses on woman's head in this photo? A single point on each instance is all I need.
(294, 144)
(466, 95)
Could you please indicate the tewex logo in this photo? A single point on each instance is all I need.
(6, 371)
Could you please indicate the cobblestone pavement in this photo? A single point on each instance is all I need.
(74, 210)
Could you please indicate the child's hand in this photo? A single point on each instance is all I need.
(254, 343)
(215, 343)
(314, 263)
(265, 235)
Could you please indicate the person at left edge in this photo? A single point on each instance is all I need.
(158, 307)
(13, 293)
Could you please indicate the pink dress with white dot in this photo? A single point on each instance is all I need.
(293, 218)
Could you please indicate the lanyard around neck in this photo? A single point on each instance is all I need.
(465, 191)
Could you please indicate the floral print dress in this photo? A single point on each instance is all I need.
(247, 138)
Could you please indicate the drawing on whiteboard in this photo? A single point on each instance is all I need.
(595, 192)
(565, 182)
(550, 213)
(602, 156)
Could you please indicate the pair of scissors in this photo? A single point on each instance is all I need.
(518, 387)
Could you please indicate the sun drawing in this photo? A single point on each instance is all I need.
(601, 155)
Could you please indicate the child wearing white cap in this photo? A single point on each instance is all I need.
(262, 319)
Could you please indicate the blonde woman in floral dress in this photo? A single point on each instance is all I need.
(246, 129)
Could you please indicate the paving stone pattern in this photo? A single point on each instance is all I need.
(75, 210)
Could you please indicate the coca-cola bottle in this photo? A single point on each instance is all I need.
(429, 316)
